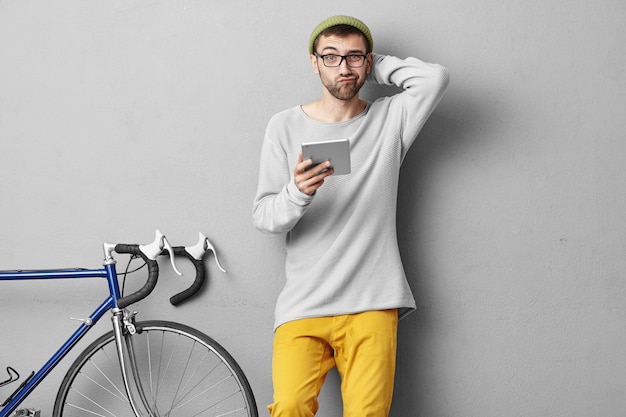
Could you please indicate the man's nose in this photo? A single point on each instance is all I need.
(344, 67)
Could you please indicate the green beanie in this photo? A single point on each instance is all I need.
(341, 20)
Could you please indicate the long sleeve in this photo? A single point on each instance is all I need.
(278, 204)
(423, 83)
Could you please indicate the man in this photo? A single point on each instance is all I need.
(345, 285)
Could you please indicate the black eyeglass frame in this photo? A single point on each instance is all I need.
(364, 56)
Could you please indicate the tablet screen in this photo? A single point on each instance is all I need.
(335, 151)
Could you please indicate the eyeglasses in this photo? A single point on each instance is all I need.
(334, 60)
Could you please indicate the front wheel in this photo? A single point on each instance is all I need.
(181, 371)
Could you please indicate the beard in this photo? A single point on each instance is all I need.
(343, 91)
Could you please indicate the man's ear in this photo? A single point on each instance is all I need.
(314, 63)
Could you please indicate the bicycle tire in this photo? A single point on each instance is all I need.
(183, 372)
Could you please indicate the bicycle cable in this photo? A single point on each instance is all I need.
(127, 272)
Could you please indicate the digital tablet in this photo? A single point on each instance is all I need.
(335, 151)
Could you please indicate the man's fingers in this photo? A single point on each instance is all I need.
(309, 181)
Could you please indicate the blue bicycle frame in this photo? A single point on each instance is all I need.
(109, 272)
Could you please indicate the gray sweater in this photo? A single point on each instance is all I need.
(342, 250)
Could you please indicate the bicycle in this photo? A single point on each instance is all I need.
(143, 368)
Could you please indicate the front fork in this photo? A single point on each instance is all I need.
(124, 330)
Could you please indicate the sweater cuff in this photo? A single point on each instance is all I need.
(296, 196)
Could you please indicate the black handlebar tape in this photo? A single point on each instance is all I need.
(197, 283)
(153, 276)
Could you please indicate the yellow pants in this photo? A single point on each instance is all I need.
(361, 346)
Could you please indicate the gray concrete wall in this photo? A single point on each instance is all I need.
(120, 117)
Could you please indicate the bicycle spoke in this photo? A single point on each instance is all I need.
(148, 350)
(207, 390)
(94, 403)
(85, 410)
(120, 395)
(182, 377)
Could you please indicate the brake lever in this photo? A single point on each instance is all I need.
(201, 248)
(154, 249)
